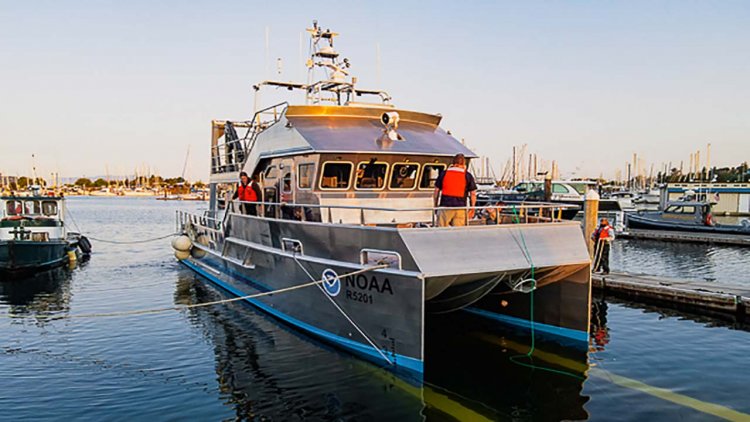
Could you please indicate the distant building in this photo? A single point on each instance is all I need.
(730, 198)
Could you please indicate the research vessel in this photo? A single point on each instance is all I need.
(345, 245)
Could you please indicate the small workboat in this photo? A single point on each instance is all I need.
(689, 216)
(33, 235)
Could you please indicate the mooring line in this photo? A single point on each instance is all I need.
(132, 242)
(191, 306)
(336, 305)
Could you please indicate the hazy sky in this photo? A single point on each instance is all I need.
(91, 86)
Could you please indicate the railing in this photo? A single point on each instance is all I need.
(230, 155)
(508, 213)
(200, 225)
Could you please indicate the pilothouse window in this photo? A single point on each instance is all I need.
(13, 208)
(32, 207)
(49, 208)
(430, 175)
(371, 175)
(404, 176)
(336, 175)
(305, 175)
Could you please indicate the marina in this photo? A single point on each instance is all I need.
(467, 212)
(233, 360)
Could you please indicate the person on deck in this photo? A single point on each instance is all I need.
(602, 237)
(452, 188)
(248, 191)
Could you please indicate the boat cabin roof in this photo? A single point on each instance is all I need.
(359, 129)
(29, 198)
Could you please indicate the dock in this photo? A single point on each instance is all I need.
(706, 296)
(692, 237)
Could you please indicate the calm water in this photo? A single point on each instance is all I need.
(231, 362)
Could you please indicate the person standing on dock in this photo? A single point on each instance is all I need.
(602, 237)
(452, 188)
(248, 191)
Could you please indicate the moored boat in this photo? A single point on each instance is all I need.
(689, 216)
(348, 199)
(33, 235)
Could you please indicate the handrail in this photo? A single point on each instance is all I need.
(233, 159)
(516, 205)
(516, 212)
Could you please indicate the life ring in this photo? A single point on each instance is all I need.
(709, 219)
(84, 245)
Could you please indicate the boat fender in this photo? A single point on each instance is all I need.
(84, 244)
(197, 253)
(180, 255)
(182, 243)
(72, 258)
(202, 239)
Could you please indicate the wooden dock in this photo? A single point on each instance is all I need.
(697, 295)
(677, 236)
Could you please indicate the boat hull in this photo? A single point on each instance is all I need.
(381, 307)
(24, 257)
(644, 222)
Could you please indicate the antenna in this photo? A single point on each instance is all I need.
(184, 166)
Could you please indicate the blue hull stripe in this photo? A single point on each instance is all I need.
(366, 351)
(538, 326)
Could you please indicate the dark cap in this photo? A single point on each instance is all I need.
(242, 173)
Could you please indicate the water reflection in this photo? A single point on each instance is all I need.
(39, 295)
(706, 317)
(264, 368)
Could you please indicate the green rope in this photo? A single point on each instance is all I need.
(529, 355)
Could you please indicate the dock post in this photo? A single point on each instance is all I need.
(591, 212)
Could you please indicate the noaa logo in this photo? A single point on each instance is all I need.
(331, 282)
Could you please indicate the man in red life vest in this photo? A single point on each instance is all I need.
(248, 191)
(452, 187)
(602, 237)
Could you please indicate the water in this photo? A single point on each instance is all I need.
(232, 362)
(723, 264)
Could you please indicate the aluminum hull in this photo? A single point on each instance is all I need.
(387, 307)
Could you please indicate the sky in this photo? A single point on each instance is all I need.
(108, 87)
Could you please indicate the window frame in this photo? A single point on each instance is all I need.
(284, 248)
(363, 253)
(299, 175)
(322, 173)
(54, 204)
(272, 167)
(421, 174)
(36, 202)
(416, 179)
(385, 177)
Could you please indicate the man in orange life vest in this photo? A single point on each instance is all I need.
(452, 187)
(602, 237)
(248, 190)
